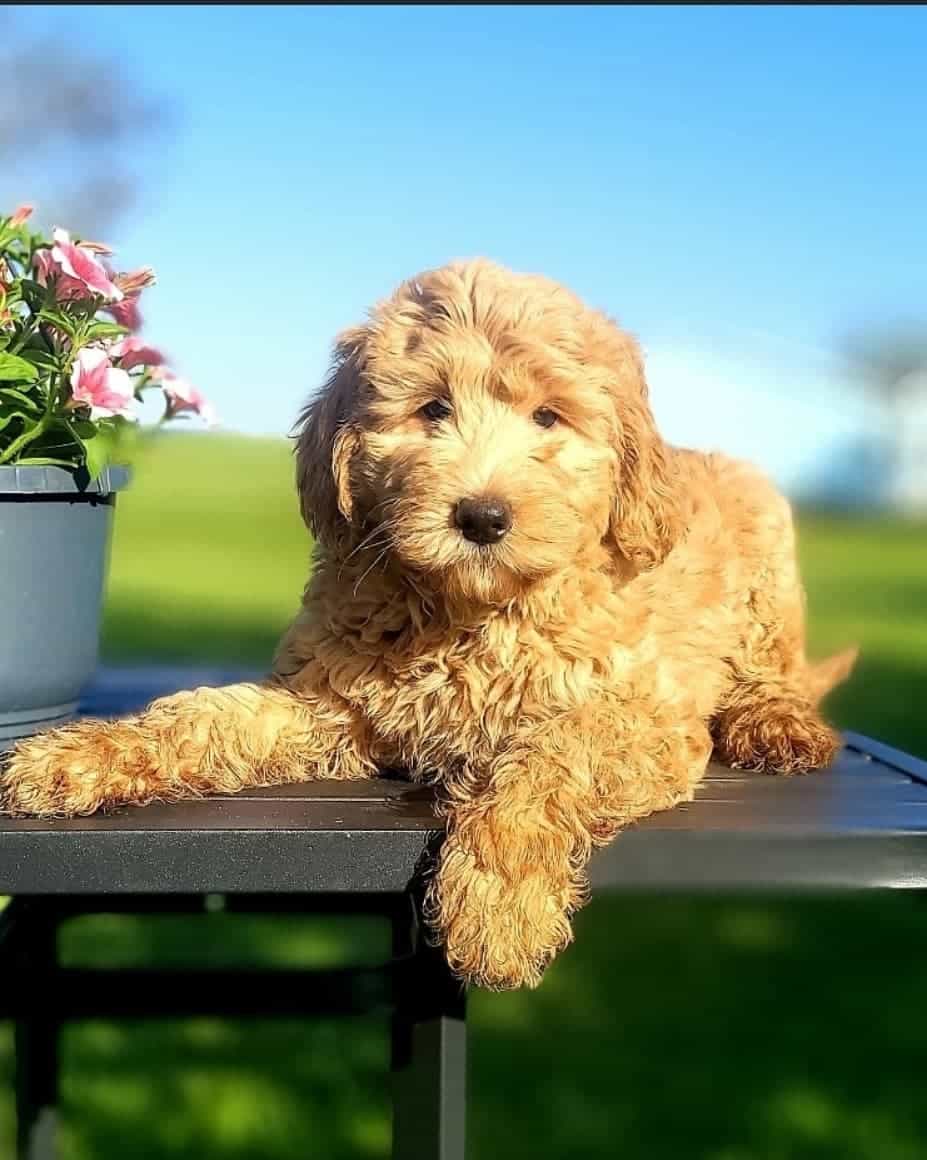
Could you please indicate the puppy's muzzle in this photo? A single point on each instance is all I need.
(483, 519)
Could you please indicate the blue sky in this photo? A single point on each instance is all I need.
(737, 185)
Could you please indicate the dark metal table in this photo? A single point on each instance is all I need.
(357, 848)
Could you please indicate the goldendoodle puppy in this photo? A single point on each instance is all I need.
(520, 591)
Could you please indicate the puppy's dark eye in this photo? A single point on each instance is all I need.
(436, 410)
(544, 417)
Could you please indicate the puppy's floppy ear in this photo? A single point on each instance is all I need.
(327, 442)
(646, 514)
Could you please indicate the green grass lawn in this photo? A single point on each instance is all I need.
(710, 1029)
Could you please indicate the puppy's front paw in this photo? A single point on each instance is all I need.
(71, 770)
(497, 933)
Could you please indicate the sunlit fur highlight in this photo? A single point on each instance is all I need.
(645, 606)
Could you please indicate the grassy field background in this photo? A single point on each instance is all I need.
(706, 1028)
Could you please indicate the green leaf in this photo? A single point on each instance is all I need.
(58, 442)
(98, 449)
(6, 417)
(98, 330)
(13, 396)
(15, 369)
(38, 356)
(46, 461)
(60, 321)
(32, 291)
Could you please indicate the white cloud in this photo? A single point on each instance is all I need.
(781, 415)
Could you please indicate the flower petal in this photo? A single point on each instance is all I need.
(81, 265)
(135, 352)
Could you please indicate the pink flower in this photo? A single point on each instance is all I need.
(44, 266)
(21, 214)
(79, 264)
(126, 312)
(183, 396)
(96, 383)
(46, 270)
(135, 352)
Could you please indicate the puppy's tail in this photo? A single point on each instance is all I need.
(824, 676)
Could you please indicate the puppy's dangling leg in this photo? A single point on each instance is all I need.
(769, 725)
(192, 743)
(512, 867)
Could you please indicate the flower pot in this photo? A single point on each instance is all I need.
(54, 548)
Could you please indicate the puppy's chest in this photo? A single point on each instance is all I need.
(459, 696)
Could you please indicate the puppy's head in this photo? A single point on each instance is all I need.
(483, 428)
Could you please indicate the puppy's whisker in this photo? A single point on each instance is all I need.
(378, 537)
(369, 541)
(374, 531)
(368, 570)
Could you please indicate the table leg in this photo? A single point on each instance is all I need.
(429, 1042)
(34, 946)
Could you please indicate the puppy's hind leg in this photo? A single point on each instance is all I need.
(768, 725)
(186, 745)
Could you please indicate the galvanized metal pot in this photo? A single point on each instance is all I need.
(54, 550)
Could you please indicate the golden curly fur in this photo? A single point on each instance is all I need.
(558, 683)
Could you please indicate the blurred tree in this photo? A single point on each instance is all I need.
(74, 128)
(891, 363)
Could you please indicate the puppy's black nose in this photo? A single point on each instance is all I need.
(483, 520)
